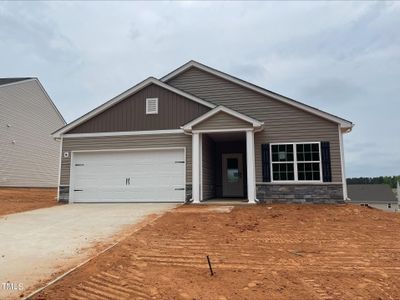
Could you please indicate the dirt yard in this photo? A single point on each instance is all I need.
(257, 252)
(13, 200)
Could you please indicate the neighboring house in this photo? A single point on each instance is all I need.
(29, 156)
(375, 195)
(198, 134)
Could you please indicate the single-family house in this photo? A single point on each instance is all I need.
(375, 195)
(29, 156)
(198, 133)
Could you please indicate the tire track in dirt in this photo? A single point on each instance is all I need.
(115, 283)
(341, 256)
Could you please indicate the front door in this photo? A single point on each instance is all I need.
(232, 175)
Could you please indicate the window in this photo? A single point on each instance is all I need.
(232, 168)
(389, 205)
(282, 162)
(151, 106)
(296, 162)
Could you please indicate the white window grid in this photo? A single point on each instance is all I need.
(295, 162)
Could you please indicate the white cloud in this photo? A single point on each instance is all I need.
(343, 57)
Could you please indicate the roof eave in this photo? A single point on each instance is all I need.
(257, 125)
(343, 122)
(151, 80)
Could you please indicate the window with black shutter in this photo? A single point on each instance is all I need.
(326, 162)
(297, 162)
(266, 164)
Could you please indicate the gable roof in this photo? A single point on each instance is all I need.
(256, 124)
(371, 193)
(4, 81)
(344, 124)
(124, 95)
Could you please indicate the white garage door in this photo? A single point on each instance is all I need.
(128, 176)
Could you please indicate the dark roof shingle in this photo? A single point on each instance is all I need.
(12, 80)
(371, 193)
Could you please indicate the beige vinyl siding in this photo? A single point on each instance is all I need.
(208, 160)
(282, 122)
(222, 120)
(126, 142)
(28, 118)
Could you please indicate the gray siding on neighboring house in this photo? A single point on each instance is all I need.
(126, 142)
(208, 160)
(282, 122)
(29, 156)
(222, 120)
(130, 114)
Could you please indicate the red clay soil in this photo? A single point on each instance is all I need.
(13, 200)
(257, 252)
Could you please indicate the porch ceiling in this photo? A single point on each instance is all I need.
(227, 136)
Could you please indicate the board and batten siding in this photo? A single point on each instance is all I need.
(130, 114)
(125, 142)
(29, 156)
(283, 123)
(222, 120)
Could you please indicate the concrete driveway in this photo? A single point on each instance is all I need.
(38, 244)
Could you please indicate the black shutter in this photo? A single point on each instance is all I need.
(326, 162)
(266, 165)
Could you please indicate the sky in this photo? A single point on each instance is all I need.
(341, 57)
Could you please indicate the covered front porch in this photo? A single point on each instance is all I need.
(223, 157)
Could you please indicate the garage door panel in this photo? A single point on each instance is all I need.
(128, 176)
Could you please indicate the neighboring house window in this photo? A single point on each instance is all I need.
(151, 106)
(296, 162)
(389, 205)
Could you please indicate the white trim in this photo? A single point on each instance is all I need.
(201, 165)
(195, 168)
(253, 122)
(222, 130)
(71, 183)
(148, 112)
(344, 183)
(49, 99)
(129, 149)
(343, 123)
(71, 180)
(295, 162)
(127, 93)
(251, 167)
(123, 133)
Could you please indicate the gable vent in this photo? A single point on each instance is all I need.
(151, 106)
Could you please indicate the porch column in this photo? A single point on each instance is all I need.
(196, 167)
(251, 170)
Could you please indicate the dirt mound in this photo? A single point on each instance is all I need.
(13, 200)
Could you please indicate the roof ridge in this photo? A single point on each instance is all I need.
(211, 70)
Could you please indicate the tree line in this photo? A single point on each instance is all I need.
(390, 180)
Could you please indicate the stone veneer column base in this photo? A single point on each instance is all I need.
(63, 194)
(300, 193)
(188, 193)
